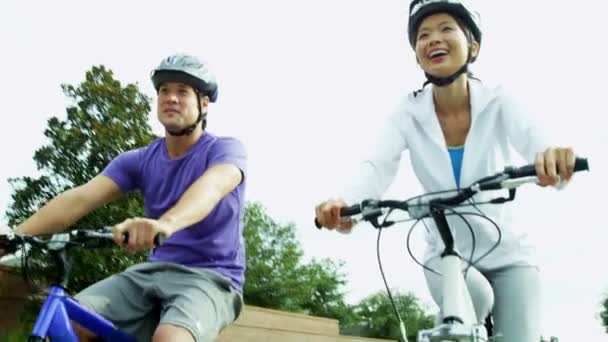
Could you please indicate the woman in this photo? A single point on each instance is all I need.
(458, 130)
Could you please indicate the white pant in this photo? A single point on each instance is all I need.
(515, 292)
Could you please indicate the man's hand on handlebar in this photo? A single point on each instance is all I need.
(142, 233)
(328, 216)
(555, 166)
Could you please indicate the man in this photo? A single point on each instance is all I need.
(193, 184)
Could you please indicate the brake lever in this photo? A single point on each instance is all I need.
(371, 212)
(490, 183)
(501, 200)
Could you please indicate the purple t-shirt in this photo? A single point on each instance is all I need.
(216, 242)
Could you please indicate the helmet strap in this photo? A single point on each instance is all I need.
(201, 117)
(445, 81)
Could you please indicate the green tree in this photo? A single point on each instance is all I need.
(375, 316)
(604, 313)
(103, 119)
(278, 278)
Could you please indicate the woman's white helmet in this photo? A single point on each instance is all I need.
(420, 9)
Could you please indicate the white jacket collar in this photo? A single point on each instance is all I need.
(422, 106)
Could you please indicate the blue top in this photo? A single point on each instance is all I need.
(456, 153)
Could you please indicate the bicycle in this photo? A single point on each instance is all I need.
(459, 321)
(59, 309)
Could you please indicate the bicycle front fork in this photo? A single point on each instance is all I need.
(454, 332)
(459, 322)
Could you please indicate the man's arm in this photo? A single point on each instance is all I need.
(68, 207)
(202, 196)
(193, 206)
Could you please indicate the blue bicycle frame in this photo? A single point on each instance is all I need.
(59, 309)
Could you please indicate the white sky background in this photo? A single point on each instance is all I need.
(303, 83)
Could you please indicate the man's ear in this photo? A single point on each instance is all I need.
(204, 100)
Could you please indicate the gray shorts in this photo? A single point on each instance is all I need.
(152, 293)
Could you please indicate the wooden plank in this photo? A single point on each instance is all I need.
(250, 334)
(257, 317)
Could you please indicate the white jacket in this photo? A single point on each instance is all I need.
(497, 123)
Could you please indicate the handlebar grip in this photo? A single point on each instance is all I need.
(344, 212)
(350, 211)
(317, 224)
(158, 239)
(580, 164)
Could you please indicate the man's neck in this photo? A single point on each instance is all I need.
(178, 146)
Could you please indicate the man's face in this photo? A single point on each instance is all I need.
(177, 105)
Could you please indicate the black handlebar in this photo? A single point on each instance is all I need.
(350, 211)
(106, 233)
(85, 237)
(488, 183)
(580, 164)
(58, 248)
(158, 238)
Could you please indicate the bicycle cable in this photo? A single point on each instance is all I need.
(470, 262)
(390, 295)
(409, 250)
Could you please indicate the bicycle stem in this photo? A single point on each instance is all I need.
(62, 261)
(455, 308)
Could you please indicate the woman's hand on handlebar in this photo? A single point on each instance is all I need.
(555, 166)
(328, 215)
